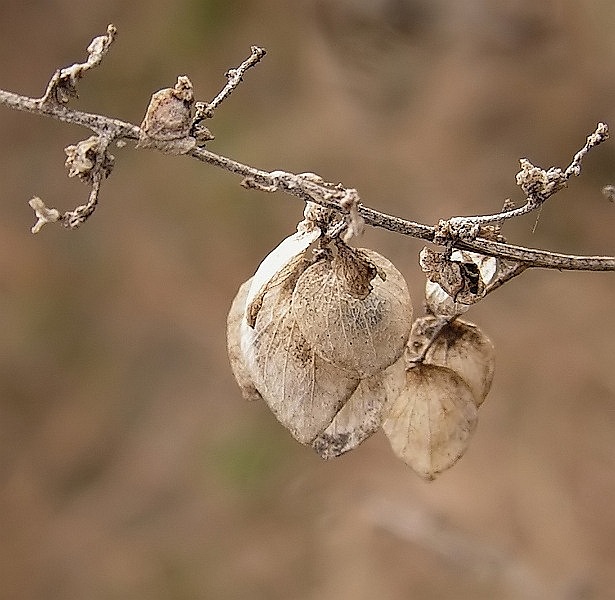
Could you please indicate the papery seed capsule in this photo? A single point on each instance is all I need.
(354, 309)
(302, 390)
(233, 341)
(430, 424)
(460, 346)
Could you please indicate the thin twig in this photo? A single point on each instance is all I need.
(537, 183)
(234, 78)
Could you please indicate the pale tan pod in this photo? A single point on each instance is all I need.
(460, 346)
(303, 391)
(233, 343)
(278, 259)
(354, 309)
(430, 424)
(362, 415)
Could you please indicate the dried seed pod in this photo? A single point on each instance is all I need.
(460, 346)
(303, 391)
(233, 342)
(276, 261)
(354, 309)
(455, 283)
(362, 415)
(430, 424)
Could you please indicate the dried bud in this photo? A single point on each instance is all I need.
(85, 157)
(354, 309)
(430, 424)
(168, 119)
(462, 347)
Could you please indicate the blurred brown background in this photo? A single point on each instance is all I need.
(130, 467)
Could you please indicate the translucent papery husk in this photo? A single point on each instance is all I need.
(302, 390)
(354, 309)
(362, 415)
(460, 346)
(278, 259)
(430, 424)
(233, 342)
(442, 304)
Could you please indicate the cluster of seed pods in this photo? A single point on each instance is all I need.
(326, 338)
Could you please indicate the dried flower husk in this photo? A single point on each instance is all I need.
(302, 390)
(430, 424)
(354, 309)
(455, 284)
(362, 415)
(233, 342)
(460, 346)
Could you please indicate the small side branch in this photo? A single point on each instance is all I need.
(205, 110)
(537, 184)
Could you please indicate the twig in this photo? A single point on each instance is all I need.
(536, 183)
(63, 84)
(205, 110)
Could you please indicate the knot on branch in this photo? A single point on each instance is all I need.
(447, 232)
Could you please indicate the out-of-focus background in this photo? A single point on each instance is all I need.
(130, 466)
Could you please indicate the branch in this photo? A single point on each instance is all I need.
(170, 127)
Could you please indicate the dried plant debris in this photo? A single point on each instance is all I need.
(430, 424)
(320, 337)
(459, 345)
(457, 281)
